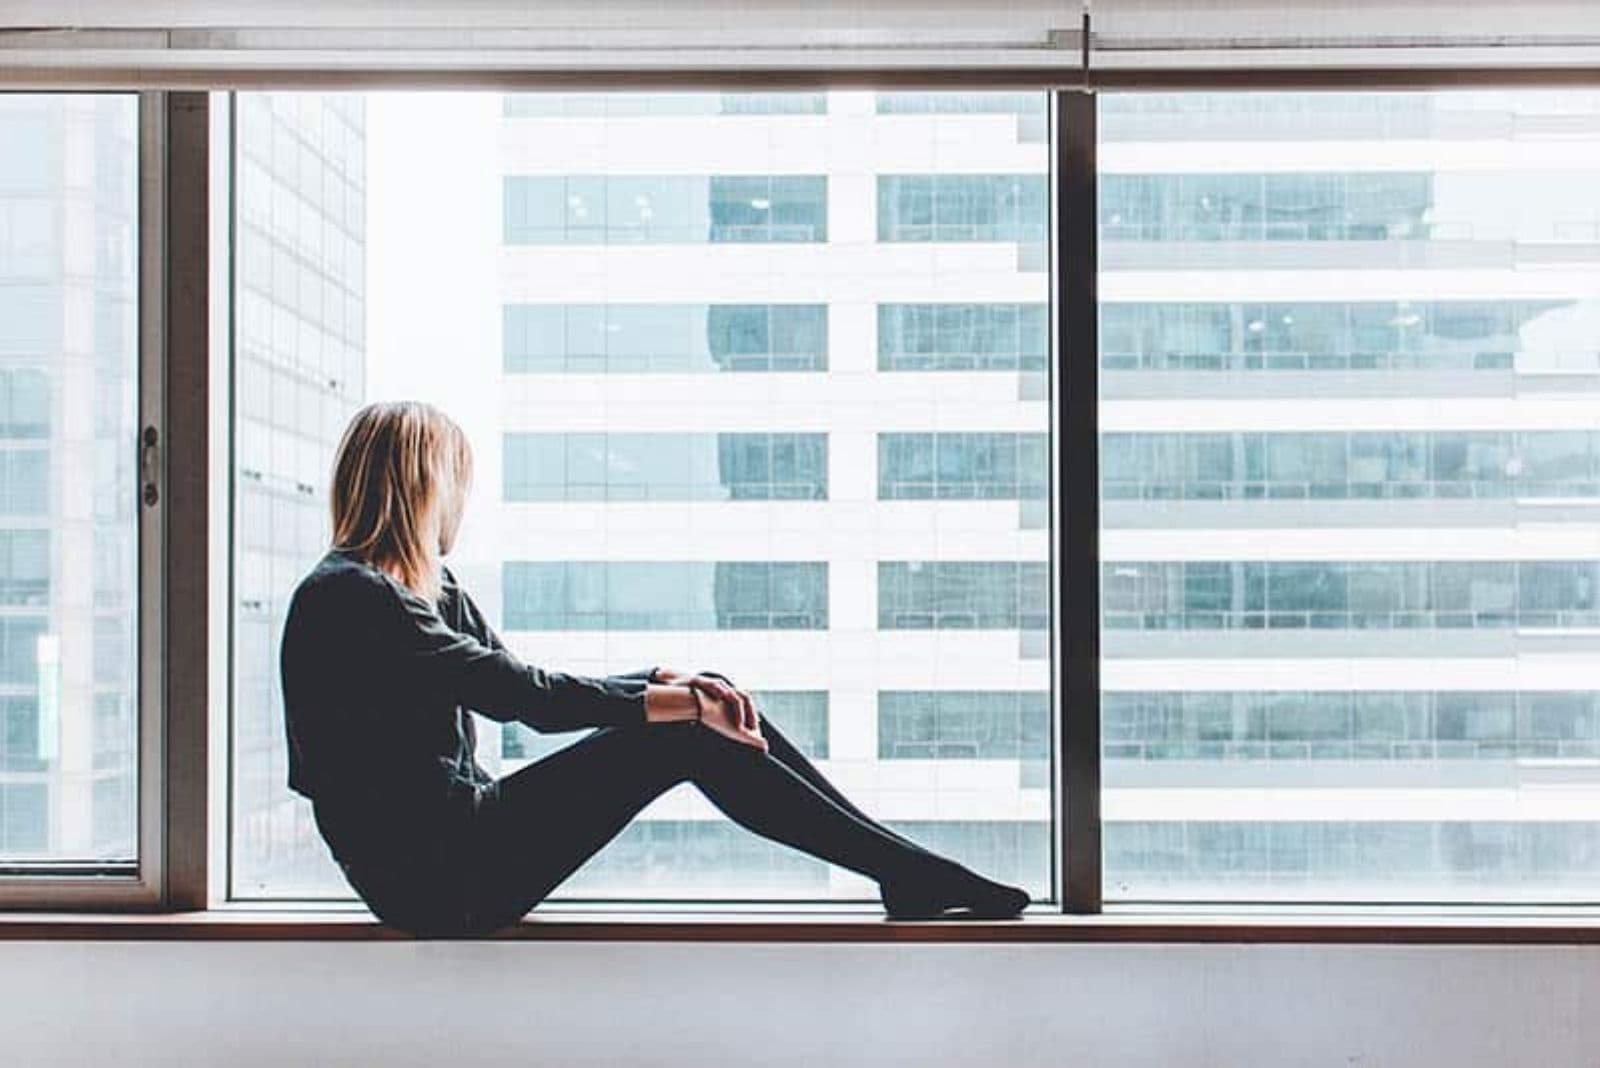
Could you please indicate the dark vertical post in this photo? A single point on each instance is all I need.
(1077, 572)
(184, 496)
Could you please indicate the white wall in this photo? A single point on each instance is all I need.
(439, 1003)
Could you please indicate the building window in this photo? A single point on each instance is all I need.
(963, 466)
(25, 821)
(964, 725)
(22, 749)
(962, 207)
(1379, 206)
(963, 337)
(963, 595)
(1367, 725)
(1387, 860)
(24, 403)
(665, 209)
(1463, 335)
(24, 568)
(666, 467)
(24, 481)
(1393, 465)
(666, 595)
(1340, 595)
(664, 338)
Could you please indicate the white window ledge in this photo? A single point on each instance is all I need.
(233, 923)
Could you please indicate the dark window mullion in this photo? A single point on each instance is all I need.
(1077, 563)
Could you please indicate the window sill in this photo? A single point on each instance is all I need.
(287, 924)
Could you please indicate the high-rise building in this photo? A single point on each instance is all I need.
(775, 403)
(1350, 467)
(68, 461)
(300, 372)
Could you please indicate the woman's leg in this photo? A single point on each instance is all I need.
(788, 754)
(545, 820)
(924, 898)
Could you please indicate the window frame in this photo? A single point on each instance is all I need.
(178, 766)
(77, 884)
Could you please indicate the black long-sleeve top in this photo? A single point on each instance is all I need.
(377, 681)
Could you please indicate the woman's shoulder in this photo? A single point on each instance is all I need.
(344, 580)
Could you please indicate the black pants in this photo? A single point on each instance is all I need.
(537, 826)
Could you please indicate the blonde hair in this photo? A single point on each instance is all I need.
(399, 479)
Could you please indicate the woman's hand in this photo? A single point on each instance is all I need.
(740, 705)
(727, 717)
(716, 688)
(716, 705)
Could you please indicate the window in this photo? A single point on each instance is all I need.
(760, 382)
(963, 337)
(1337, 335)
(665, 209)
(1427, 596)
(1392, 465)
(674, 330)
(962, 207)
(1344, 478)
(670, 467)
(962, 595)
(963, 466)
(964, 725)
(1364, 725)
(1320, 206)
(677, 338)
(24, 403)
(69, 527)
(666, 595)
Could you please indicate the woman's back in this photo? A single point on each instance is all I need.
(372, 740)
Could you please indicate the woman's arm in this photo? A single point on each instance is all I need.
(441, 661)
(477, 624)
(668, 695)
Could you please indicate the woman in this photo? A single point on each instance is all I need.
(383, 655)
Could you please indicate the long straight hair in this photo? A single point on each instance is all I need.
(399, 479)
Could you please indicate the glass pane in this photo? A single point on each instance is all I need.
(68, 479)
(1349, 370)
(681, 329)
